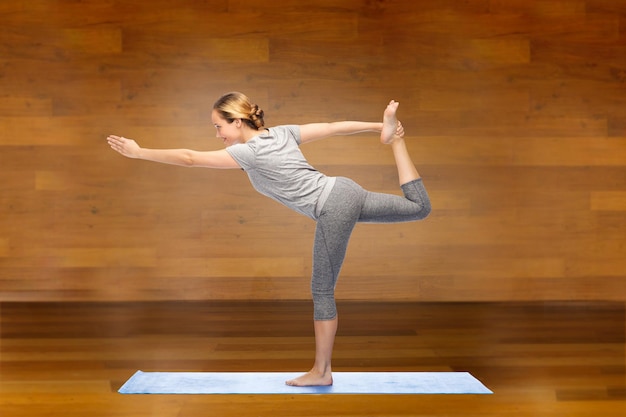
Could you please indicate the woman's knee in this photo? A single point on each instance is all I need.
(324, 307)
(424, 210)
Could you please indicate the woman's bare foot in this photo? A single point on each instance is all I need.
(391, 126)
(312, 378)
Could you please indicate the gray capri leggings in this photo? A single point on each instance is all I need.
(347, 204)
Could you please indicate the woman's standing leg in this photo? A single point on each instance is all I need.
(332, 234)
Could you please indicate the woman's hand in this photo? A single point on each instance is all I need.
(124, 146)
(400, 130)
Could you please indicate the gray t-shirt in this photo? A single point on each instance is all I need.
(277, 169)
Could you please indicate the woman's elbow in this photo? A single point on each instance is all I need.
(188, 159)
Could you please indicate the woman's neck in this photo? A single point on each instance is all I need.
(250, 133)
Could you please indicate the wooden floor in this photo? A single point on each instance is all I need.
(540, 359)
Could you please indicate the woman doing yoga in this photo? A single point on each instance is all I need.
(276, 167)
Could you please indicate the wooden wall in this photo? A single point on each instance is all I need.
(515, 112)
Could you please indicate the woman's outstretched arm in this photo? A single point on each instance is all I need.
(314, 131)
(182, 157)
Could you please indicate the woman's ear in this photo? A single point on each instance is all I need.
(238, 122)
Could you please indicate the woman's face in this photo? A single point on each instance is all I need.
(230, 133)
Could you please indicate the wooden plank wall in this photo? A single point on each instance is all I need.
(515, 113)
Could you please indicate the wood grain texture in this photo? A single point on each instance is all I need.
(514, 112)
(547, 359)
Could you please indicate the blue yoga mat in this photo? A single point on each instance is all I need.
(274, 383)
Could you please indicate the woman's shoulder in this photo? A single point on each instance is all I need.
(284, 128)
(285, 132)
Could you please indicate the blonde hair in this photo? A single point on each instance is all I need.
(235, 105)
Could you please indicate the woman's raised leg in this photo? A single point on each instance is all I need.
(389, 135)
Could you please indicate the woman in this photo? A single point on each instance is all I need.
(276, 168)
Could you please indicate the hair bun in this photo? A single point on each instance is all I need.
(256, 115)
